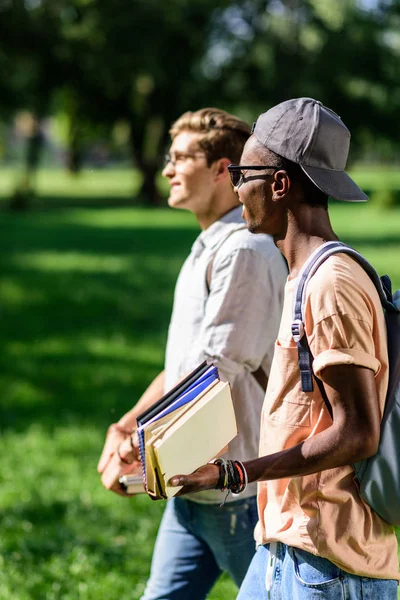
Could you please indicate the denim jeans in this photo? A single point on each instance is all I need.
(303, 576)
(195, 543)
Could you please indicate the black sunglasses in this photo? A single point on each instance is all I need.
(237, 175)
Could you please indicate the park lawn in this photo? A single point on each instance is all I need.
(58, 184)
(85, 300)
(57, 188)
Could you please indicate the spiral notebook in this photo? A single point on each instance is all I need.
(186, 428)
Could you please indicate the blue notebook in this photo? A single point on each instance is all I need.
(190, 394)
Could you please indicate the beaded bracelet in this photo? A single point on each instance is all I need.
(232, 476)
(241, 485)
(222, 481)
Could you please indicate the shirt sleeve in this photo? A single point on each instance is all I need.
(340, 316)
(242, 313)
(341, 340)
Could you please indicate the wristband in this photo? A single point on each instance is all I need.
(222, 481)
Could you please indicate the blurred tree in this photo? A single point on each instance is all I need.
(346, 54)
(31, 39)
(144, 62)
(140, 62)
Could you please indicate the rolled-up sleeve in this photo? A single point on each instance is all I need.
(342, 340)
(242, 313)
(341, 309)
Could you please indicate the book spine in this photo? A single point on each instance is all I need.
(142, 452)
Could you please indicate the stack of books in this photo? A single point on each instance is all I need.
(186, 428)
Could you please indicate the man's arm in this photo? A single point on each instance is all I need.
(118, 432)
(353, 435)
(153, 393)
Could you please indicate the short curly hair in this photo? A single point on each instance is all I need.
(223, 134)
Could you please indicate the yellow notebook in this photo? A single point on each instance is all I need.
(154, 481)
(196, 436)
(151, 432)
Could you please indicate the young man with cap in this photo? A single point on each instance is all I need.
(227, 307)
(316, 536)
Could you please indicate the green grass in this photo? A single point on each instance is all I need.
(85, 300)
(85, 303)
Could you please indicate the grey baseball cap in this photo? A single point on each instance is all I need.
(311, 135)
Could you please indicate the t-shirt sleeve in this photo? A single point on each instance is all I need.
(342, 340)
(340, 316)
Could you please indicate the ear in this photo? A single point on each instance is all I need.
(281, 185)
(220, 168)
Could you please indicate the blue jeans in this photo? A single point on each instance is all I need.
(195, 543)
(303, 576)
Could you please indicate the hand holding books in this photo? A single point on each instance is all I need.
(124, 460)
(116, 469)
(115, 436)
(204, 478)
(230, 476)
(186, 428)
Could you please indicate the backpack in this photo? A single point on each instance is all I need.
(379, 475)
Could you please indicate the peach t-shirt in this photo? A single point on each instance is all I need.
(323, 513)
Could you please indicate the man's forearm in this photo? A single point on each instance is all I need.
(149, 397)
(327, 450)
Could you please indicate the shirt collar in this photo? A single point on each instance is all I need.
(212, 235)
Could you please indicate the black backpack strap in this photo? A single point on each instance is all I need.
(298, 330)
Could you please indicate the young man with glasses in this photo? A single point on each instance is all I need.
(227, 308)
(317, 537)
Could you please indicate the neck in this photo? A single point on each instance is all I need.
(307, 229)
(219, 206)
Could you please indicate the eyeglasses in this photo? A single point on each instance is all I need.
(180, 158)
(237, 172)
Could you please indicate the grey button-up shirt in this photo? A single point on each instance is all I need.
(233, 323)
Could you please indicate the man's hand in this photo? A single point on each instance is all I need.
(115, 437)
(114, 470)
(124, 460)
(128, 451)
(204, 478)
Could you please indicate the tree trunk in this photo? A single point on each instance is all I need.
(146, 136)
(74, 160)
(25, 192)
(148, 193)
(75, 150)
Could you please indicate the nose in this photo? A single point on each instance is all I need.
(168, 170)
(236, 190)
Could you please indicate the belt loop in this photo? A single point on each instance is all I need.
(270, 573)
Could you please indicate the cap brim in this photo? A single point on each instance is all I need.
(336, 184)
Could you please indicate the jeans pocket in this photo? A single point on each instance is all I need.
(317, 573)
